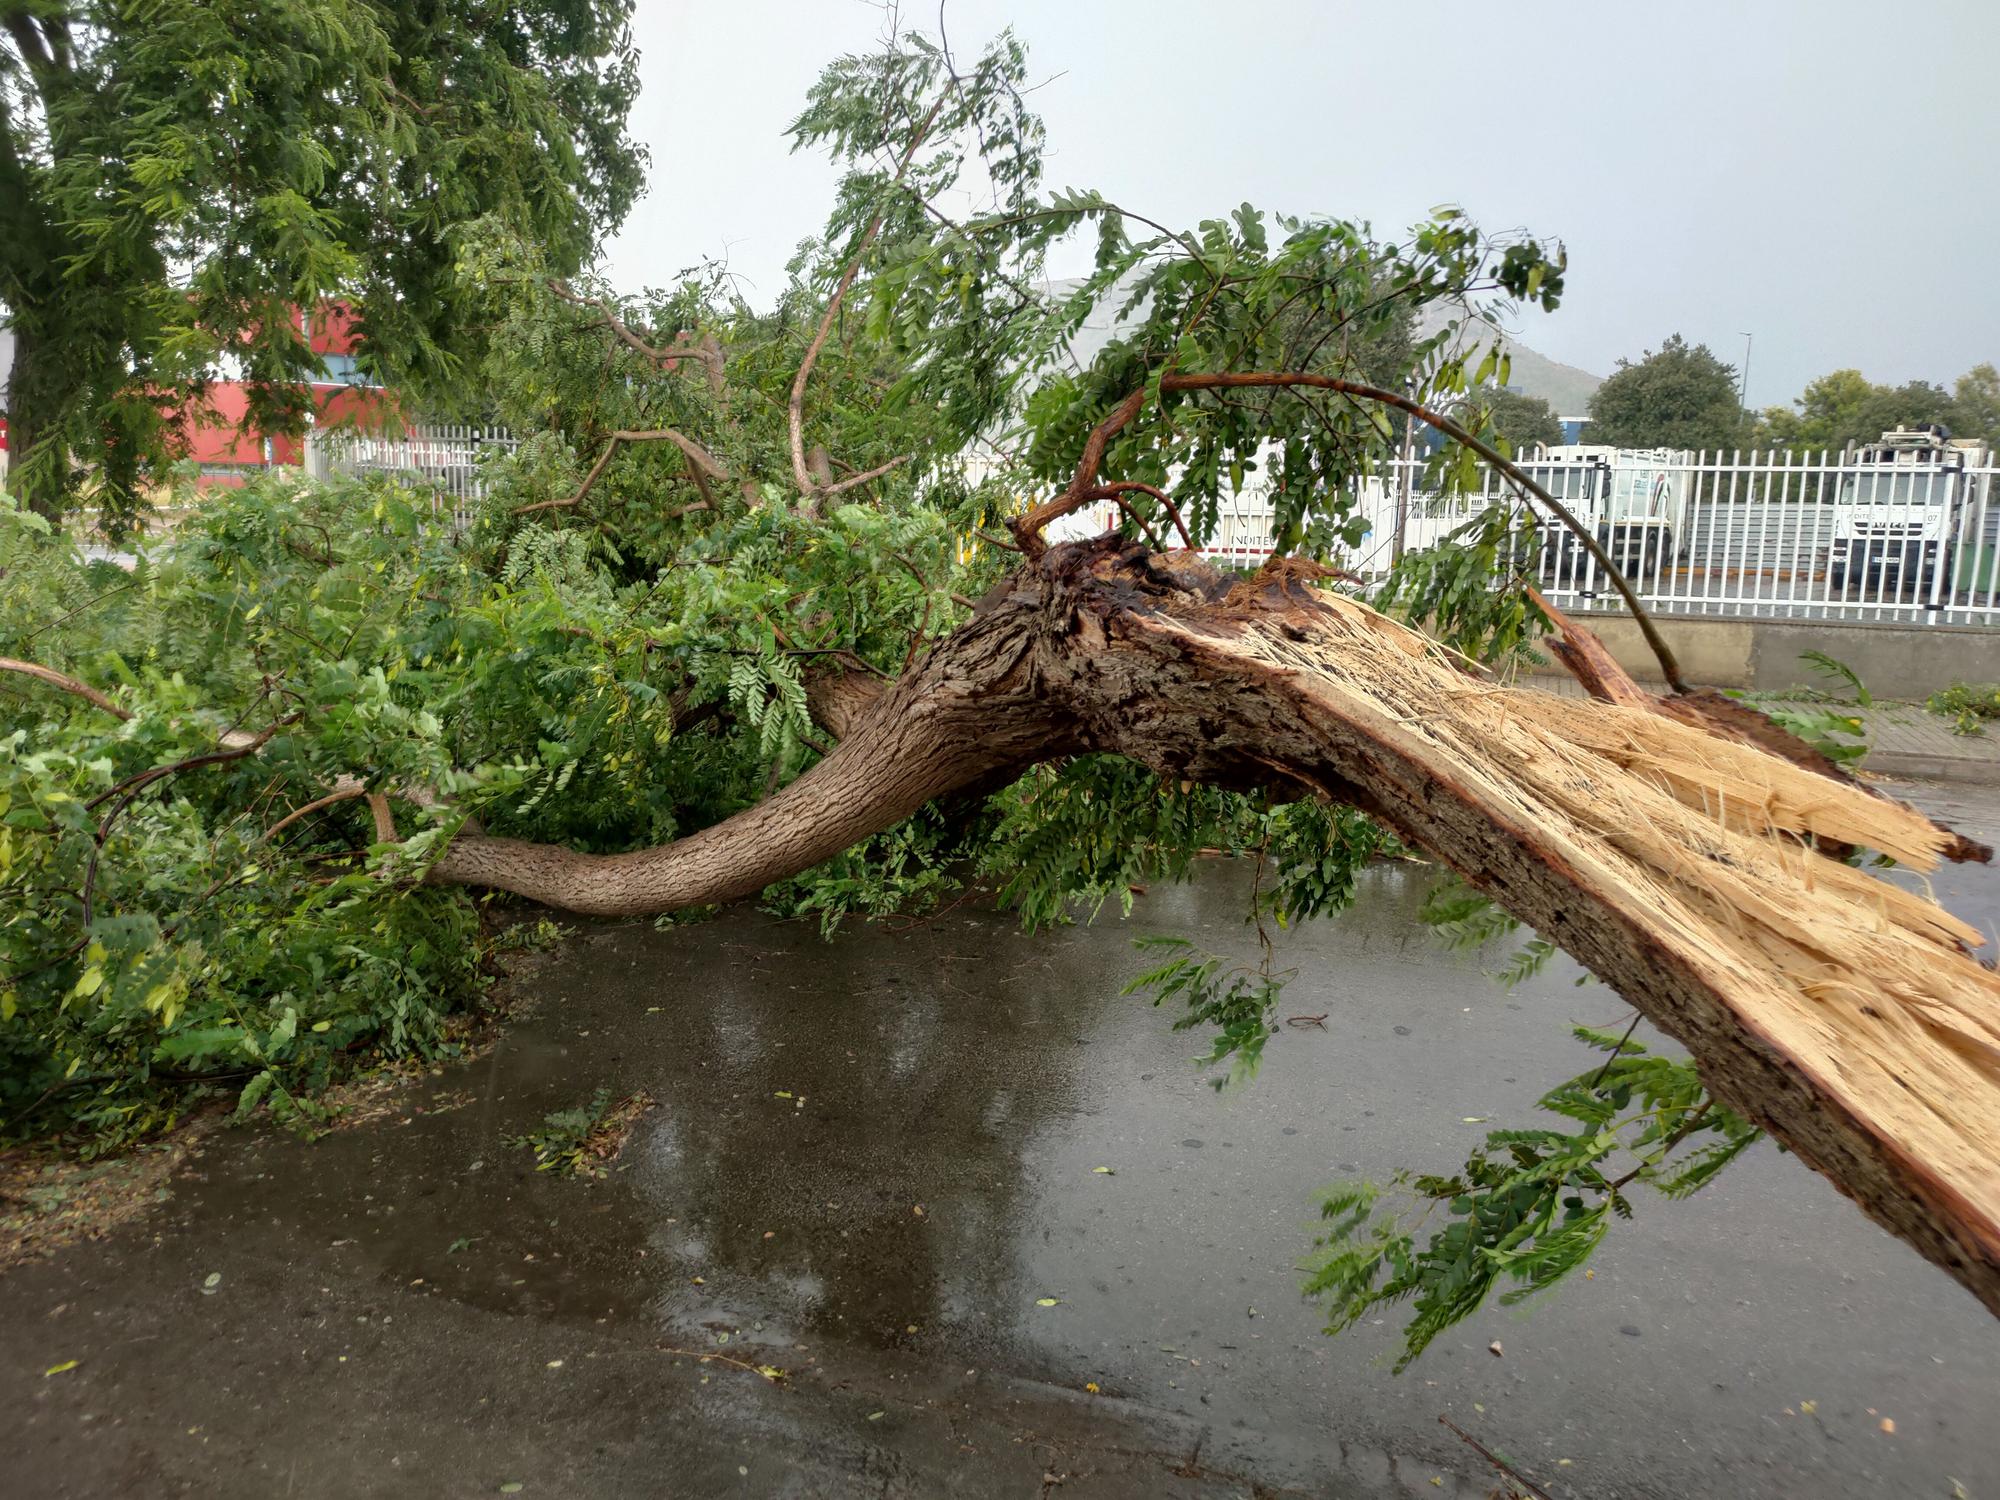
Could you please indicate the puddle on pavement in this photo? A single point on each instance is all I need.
(887, 1147)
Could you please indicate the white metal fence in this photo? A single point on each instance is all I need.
(445, 457)
(1753, 536)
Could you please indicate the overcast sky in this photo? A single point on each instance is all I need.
(1820, 173)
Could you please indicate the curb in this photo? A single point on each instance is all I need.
(1922, 766)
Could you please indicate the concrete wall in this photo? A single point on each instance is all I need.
(1895, 661)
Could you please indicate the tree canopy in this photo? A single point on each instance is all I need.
(180, 178)
(1845, 407)
(1679, 397)
(764, 605)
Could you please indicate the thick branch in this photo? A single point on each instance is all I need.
(955, 720)
(854, 480)
(68, 684)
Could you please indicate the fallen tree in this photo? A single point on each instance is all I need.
(677, 612)
(1843, 1014)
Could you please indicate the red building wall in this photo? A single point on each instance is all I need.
(228, 450)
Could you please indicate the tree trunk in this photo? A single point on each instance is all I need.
(1841, 1013)
(33, 399)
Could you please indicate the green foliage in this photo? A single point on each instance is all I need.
(1679, 397)
(907, 869)
(1967, 706)
(1237, 1002)
(1845, 408)
(1311, 854)
(1095, 827)
(1840, 673)
(1470, 590)
(156, 947)
(1816, 716)
(1523, 420)
(1467, 920)
(182, 177)
(1529, 1206)
(561, 1143)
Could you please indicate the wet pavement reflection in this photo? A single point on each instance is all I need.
(945, 1166)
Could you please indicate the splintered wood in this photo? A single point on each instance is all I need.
(1844, 1012)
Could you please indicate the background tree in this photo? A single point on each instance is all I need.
(178, 178)
(1680, 397)
(1521, 419)
(1975, 405)
(1826, 415)
(1845, 408)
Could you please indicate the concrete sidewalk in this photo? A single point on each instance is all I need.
(1907, 739)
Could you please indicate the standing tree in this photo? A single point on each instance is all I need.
(1844, 408)
(179, 178)
(1681, 397)
(1521, 419)
(1975, 405)
(766, 603)
(1827, 415)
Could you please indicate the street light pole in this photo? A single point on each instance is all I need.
(1743, 389)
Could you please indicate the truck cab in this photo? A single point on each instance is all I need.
(1633, 499)
(1900, 501)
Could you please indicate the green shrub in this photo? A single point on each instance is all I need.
(1967, 706)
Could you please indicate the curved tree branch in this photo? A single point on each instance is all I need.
(1131, 486)
(68, 684)
(704, 350)
(1029, 526)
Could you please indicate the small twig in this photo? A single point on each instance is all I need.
(72, 614)
(703, 466)
(875, 473)
(762, 1372)
(1618, 1051)
(235, 745)
(703, 350)
(1153, 538)
(1682, 1131)
(1498, 1462)
(345, 794)
(796, 410)
(1113, 491)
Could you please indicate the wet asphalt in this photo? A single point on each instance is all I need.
(875, 1161)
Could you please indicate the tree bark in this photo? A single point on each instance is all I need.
(33, 399)
(1842, 1014)
(966, 711)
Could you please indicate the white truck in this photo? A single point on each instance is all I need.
(1634, 500)
(1902, 503)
